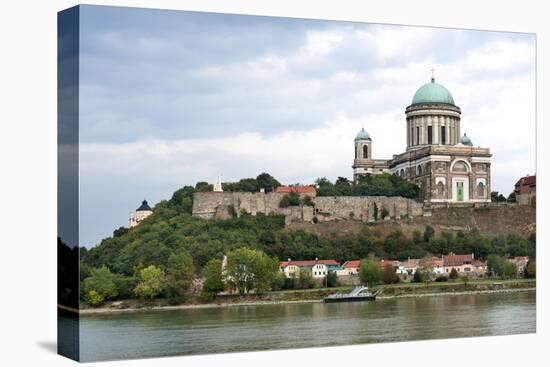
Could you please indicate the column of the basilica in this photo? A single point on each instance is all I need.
(435, 130)
(448, 131)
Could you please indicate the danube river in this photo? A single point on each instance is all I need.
(244, 328)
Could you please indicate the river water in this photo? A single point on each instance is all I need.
(245, 328)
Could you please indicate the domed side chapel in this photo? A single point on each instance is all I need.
(442, 161)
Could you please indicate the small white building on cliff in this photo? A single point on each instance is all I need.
(140, 214)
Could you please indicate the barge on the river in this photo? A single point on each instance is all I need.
(358, 294)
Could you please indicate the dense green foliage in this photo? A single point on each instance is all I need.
(304, 280)
(263, 181)
(383, 184)
(307, 201)
(291, 199)
(250, 270)
(213, 281)
(152, 282)
(418, 276)
(100, 286)
(331, 279)
(180, 273)
(388, 275)
(496, 197)
(168, 231)
(369, 270)
(501, 266)
(175, 247)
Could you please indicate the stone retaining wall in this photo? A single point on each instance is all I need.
(327, 208)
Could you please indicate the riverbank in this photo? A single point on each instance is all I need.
(403, 290)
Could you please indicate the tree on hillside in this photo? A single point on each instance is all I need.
(343, 186)
(428, 233)
(99, 286)
(267, 182)
(248, 185)
(182, 199)
(213, 281)
(325, 187)
(204, 186)
(180, 272)
(369, 185)
(152, 281)
(307, 201)
(120, 231)
(290, 199)
(369, 270)
(497, 198)
(250, 270)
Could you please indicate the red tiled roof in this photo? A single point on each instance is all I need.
(457, 260)
(521, 258)
(384, 262)
(297, 189)
(352, 264)
(478, 263)
(527, 181)
(308, 262)
(411, 263)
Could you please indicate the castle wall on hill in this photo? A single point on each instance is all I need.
(325, 208)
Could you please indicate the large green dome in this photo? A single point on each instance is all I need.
(433, 93)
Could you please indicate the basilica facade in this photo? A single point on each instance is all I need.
(442, 161)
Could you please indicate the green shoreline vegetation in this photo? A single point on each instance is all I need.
(174, 258)
(482, 286)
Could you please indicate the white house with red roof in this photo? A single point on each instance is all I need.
(350, 267)
(463, 263)
(318, 268)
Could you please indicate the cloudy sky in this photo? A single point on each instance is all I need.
(171, 98)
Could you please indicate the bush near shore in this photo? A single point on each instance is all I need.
(315, 295)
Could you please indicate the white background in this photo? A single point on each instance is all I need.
(28, 182)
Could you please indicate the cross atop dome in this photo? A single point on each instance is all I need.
(433, 75)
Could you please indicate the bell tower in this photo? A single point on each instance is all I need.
(363, 145)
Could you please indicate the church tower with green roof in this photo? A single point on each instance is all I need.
(441, 160)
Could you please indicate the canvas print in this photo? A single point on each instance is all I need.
(233, 183)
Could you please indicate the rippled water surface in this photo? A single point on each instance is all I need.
(245, 328)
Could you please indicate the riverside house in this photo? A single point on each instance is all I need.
(521, 263)
(318, 268)
(463, 264)
(349, 268)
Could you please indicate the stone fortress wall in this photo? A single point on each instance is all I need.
(326, 208)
